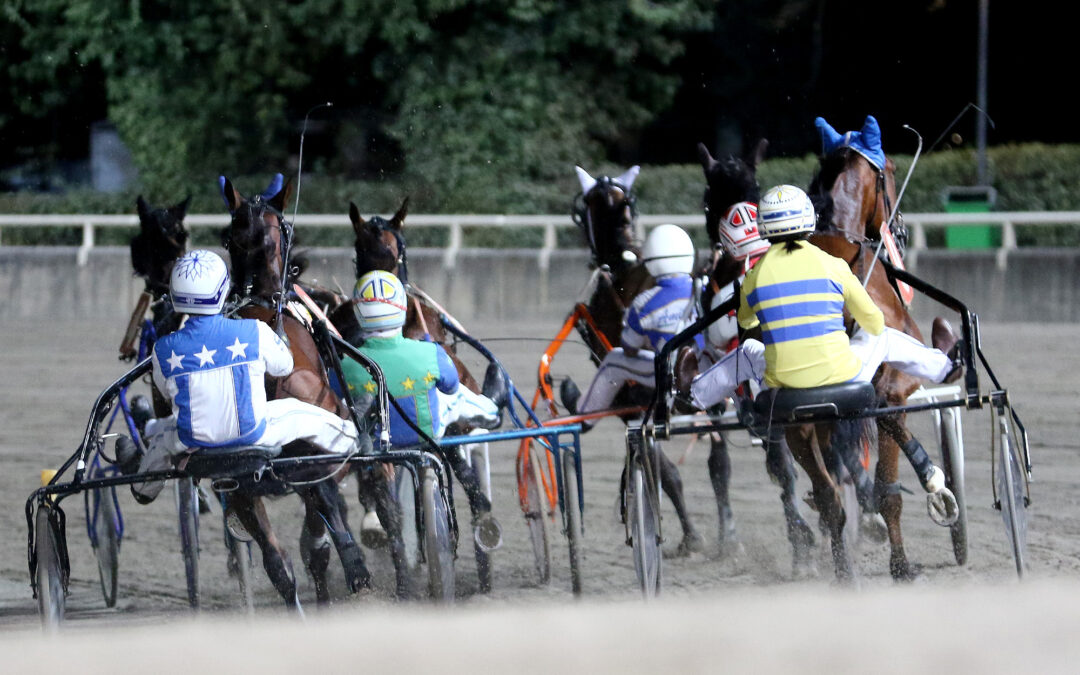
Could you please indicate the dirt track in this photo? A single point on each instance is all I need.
(53, 373)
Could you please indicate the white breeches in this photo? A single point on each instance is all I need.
(897, 349)
(745, 363)
(287, 420)
(901, 351)
(465, 407)
(615, 370)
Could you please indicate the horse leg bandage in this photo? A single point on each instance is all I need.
(920, 461)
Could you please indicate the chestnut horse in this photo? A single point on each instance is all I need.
(853, 197)
(258, 239)
(606, 212)
(731, 179)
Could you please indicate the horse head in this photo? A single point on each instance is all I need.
(380, 244)
(606, 212)
(258, 240)
(162, 239)
(729, 180)
(854, 189)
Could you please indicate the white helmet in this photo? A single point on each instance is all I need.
(739, 231)
(785, 210)
(379, 302)
(199, 283)
(668, 250)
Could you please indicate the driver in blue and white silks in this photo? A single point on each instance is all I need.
(654, 317)
(212, 370)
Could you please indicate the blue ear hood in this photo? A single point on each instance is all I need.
(866, 142)
(272, 189)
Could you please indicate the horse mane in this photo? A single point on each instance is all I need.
(830, 167)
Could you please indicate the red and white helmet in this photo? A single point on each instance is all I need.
(739, 231)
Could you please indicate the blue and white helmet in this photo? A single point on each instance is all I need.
(380, 302)
(199, 283)
(785, 210)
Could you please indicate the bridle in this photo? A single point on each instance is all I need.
(256, 208)
(382, 225)
(582, 215)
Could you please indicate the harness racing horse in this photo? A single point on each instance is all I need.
(606, 212)
(853, 200)
(160, 242)
(380, 245)
(729, 180)
(257, 240)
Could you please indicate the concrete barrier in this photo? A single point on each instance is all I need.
(1034, 285)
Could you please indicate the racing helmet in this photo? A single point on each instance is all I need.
(668, 250)
(785, 210)
(739, 231)
(379, 302)
(199, 283)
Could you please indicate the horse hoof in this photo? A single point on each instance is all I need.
(691, 543)
(372, 533)
(803, 569)
(872, 526)
(904, 571)
(731, 549)
(942, 508)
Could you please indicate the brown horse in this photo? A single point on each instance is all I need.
(731, 179)
(379, 244)
(894, 387)
(606, 212)
(854, 199)
(258, 240)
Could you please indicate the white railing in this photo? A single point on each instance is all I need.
(917, 223)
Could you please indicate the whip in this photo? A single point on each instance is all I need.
(896, 206)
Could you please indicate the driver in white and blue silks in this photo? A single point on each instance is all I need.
(654, 317)
(212, 369)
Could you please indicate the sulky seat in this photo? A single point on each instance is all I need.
(835, 400)
(225, 462)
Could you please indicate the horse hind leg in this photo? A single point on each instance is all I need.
(719, 464)
(808, 445)
(325, 525)
(671, 483)
(252, 514)
(375, 491)
(781, 467)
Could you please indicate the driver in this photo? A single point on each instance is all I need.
(654, 317)
(212, 370)
(424, 382)
(797, 294)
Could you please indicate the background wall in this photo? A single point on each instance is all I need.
(1035, 285)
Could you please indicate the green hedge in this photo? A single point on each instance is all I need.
(1028, 177)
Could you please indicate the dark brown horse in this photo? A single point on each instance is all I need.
(258, 240)
(606, 212)
(731, 179)
(380, 245)
(160, 242)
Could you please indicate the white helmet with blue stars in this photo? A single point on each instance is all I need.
(199, 283)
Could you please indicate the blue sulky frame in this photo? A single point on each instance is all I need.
(113, 399)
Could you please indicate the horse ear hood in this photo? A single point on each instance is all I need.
(629, 177)
(229, 194)
(281, 200)
(587, 182)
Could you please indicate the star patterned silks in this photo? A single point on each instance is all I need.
(206, 356)
(237, 349)
(175, 361)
